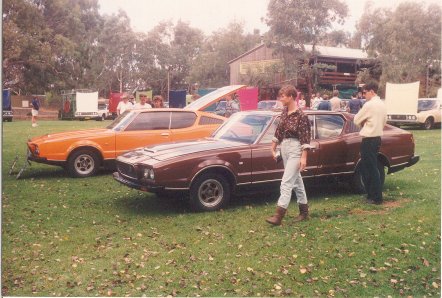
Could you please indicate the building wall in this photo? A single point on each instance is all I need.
(257, 59)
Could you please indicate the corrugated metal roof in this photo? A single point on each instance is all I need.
(339, 52)
(335, 52)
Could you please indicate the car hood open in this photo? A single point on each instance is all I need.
(201, 103)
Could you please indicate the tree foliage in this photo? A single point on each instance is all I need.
(406, 40)
(297, 23)
(211, 68)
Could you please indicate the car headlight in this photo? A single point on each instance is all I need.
(148, 174)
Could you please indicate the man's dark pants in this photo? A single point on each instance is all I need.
(369, 168)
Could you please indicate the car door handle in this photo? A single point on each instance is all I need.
(165, 134)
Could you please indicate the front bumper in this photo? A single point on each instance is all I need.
(413, 160)
(44, 160)
(136, 184)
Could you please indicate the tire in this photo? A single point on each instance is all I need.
(209, 192)
(83, 163)
(356, 181)
(429, 123)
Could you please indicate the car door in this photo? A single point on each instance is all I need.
(265, 168)
(184, 126)
(147, 128)
(331, 147)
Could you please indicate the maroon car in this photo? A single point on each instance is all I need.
(238, 156)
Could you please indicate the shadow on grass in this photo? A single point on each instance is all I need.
(177, 204)
(48, 173)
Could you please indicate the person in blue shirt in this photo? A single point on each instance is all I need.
(354, 104)
(325, 104)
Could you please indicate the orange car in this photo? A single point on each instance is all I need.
(82, 152)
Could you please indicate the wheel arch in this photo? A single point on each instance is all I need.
(216, 169)
(86, 147)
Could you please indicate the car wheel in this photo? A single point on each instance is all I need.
(429, 123)
(358, 185)
(83, 163)
(209, 192)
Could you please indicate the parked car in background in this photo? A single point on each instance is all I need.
(428, 115)
(82, 152)
(103, 112)
(238, 157)
(269, 105)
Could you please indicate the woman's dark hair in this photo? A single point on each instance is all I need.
(288, 90)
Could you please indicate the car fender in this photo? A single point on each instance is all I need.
(84, 143)
(213, 165)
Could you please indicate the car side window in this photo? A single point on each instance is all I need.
(270, 133)
(150, 121)
(311, 120)
(328, 126)
(182, 119)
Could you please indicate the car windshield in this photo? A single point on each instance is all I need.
(427, 104)
(121, 121)
(243, 128)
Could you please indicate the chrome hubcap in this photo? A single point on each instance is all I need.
(210, 193)
(84, 164)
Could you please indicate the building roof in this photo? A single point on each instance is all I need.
(323, 51)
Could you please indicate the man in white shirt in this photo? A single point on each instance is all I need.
(372, 117)
(124, 104)
(143, 103)
(335, 101)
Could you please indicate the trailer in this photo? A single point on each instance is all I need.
(79, 104)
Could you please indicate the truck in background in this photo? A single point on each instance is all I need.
(404, 107)
(7, 114)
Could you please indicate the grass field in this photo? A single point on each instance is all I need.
(95, 237)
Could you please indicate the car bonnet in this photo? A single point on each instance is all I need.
(175, 150)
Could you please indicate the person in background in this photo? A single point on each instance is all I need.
(372, 117)
(132, 100)
(124, 105)
(335, 101)
(293, 134)
(158, 102)
(301, 101)
(143, 103)
(232, 105)
(35, 108)
(324, 105)
(316, 100)
(354, 104)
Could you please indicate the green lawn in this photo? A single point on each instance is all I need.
(95, 237)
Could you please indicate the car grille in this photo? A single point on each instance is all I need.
(127, 170)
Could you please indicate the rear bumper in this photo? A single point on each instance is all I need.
(413, 160)
(136, 185)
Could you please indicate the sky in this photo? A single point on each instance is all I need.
(211, 15)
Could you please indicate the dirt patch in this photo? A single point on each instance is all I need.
(386, 206)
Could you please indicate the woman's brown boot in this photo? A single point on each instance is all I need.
(303, 213)
(277, 217)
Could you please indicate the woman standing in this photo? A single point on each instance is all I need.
(293, 134)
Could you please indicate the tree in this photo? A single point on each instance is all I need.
(406, 41)
(297, 23)
(211, 68)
